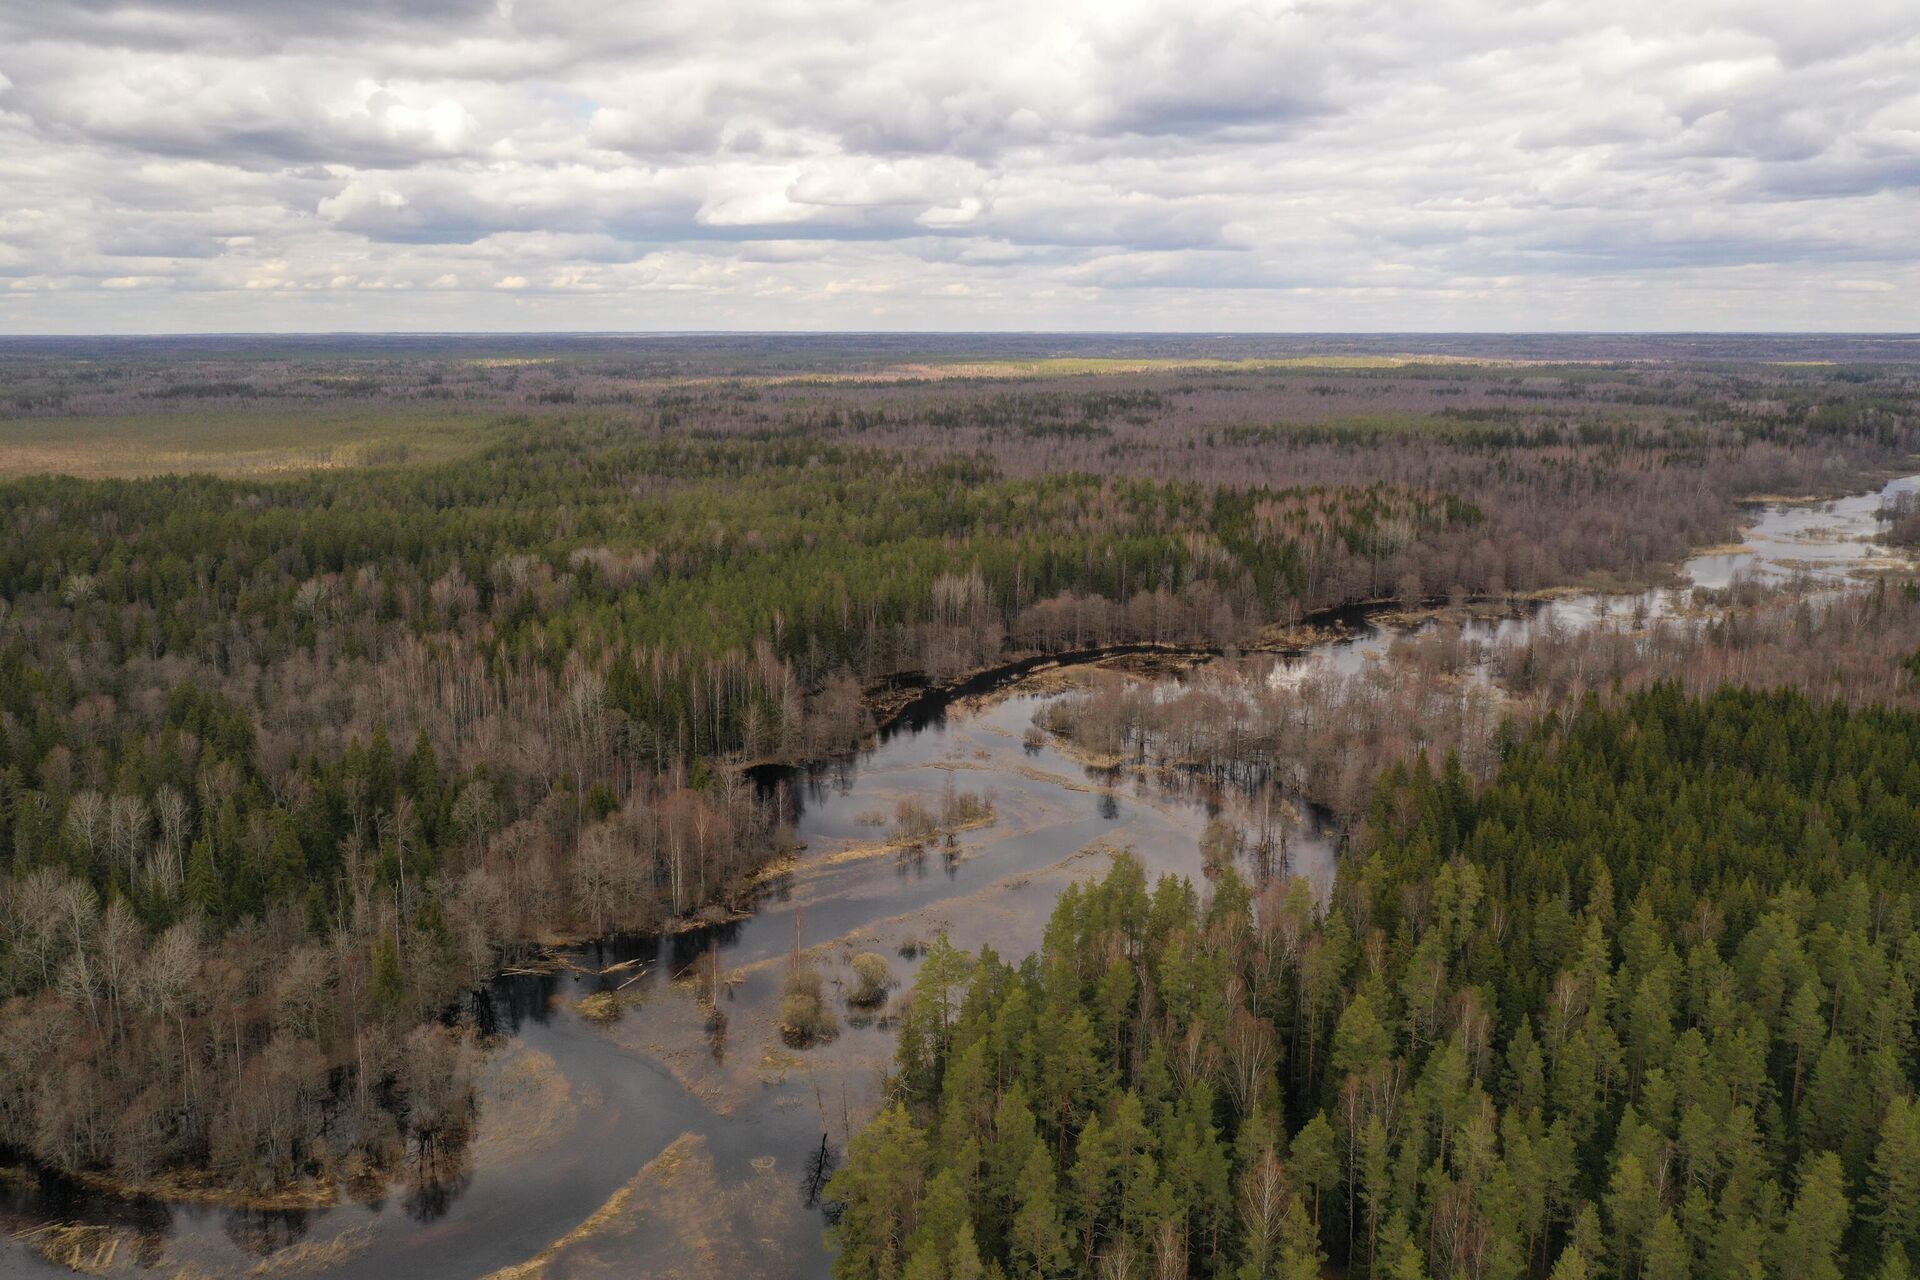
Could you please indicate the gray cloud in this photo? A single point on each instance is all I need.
(974, 163)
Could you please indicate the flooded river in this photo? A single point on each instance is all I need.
(659, 1145)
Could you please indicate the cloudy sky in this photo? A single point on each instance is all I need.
(201, 165)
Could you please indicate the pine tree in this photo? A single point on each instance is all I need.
(1300, 1254)
(1359, 1040)
(1571, 1265)
(942, 972)
(964, 1258)
(879, 1193)
(1630, 1202)
(1828, 1110)
(1134, 1169)
(1037, 1242)
(1894, 1187)
(1070, 1074)
(1091, 1178)
(1015, 1139)
(1587, 1241)
(1805, 1029)
(1809, 1243)
(389, 984)
(925, 1263)
(1668, 1256)
(1314, 1161)
(203, 892)
(1400, 1254)
(941, 1212)
(1373, 1182)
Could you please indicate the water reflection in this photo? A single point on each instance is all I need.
(265, 1232)
(431, 1192)
(819, 1167)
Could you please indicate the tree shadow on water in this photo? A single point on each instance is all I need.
(819, 1167)
(263, 1232)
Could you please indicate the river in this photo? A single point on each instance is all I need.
(657, 1145)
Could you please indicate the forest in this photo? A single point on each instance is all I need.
(1641, 1005)
(331, 682)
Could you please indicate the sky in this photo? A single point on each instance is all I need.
(1269, 165)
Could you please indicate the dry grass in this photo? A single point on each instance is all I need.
(103, 1250)
(232, 441)
(677, 1219)
(605, 1007)
(201, 1186)
(89, 1250)
(603, 1217)
(1078, 366)
(527, 1103)
(311, 1256)
(888, 848)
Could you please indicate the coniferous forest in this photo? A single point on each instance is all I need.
(1642, 1005)
(335, 681)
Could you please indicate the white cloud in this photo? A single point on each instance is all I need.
(970, 163)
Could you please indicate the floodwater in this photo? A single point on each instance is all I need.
(662, 1145)
(1830, 543)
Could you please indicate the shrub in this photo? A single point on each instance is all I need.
(912, 820)
(805, 1018)
(871, 980)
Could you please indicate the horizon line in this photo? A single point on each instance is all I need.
(960, 333)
